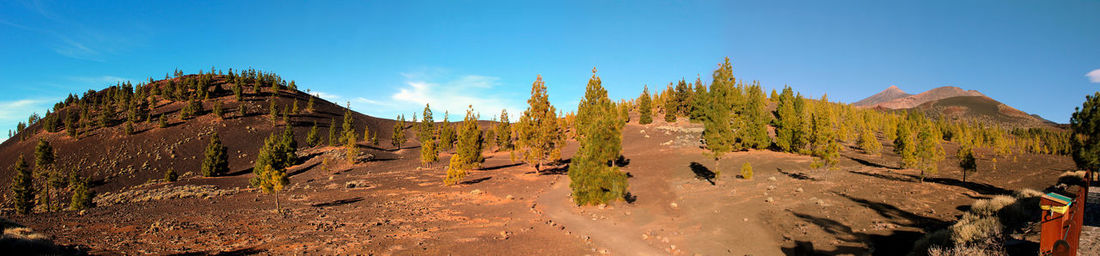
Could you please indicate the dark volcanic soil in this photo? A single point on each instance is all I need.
(394, 206)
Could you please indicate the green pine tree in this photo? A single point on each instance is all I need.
(216, 158)
(717, 130)
(398, 139)
(645, 107)
(468, 150)
(22, 187)
(595, 179)
(539, 135)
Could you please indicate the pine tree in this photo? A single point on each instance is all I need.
(332, 140)
(967, 161)
(162, 122)
(22, 187)
(349, 124)
(295, 108)
(309, 105)
(216, 159)
(468, 150)
(594, 178)
(367, 136)
(271, 181)
(398, 139)
(825, 140)
(539, 134)
(82, 196)
(905, 143)
(1085, 140)
(312, 139)
(699, 101)
(446, 133)
(757, 117)
(43, 160)
(504, 132)
(717, 132)
(351, 147)
(789, 126)
(683, 98)
(426, 135)
(867, 140)
(171, 175)
(672, 104)
(746, 171)
(928, 148)
(645, 107)
(128, 128)
(624, 111)
(218, 110)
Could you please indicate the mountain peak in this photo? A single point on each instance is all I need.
(891, 93)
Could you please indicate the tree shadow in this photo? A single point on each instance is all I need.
(238, 173)
(701, 172)
(476, 181)
(622, 161)
(630, 198)
(338, 202)
(883, 176)
(897, 215)
(871, 164)
(981, 188)
(560, 170)
(303, 169)
(798, 176)
(501, 166)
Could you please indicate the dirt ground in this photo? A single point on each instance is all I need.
(393, 206)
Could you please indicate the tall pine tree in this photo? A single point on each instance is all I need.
(595, 178)
(645, 107)
(468, 150)
(717, 132)
(540, 135)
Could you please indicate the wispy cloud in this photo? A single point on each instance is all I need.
(100, 80)
(13, 112)
(328, 96)
(73, 39)
(447, 93)
(1094, 76)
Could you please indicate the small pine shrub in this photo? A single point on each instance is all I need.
(82, 197)
(746, 171)
(171, 175)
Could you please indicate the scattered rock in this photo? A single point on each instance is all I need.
(673, 205)
(509, 197)
(769, 200)
(476, 192)
(798, 190)
(772, 178)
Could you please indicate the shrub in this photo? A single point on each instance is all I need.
(82, 197)
(171, 175)
(746, 171)
(216, 160)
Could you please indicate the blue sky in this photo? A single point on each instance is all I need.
(390, 57)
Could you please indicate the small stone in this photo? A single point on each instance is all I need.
(601, 206)
(645, 237)
(476, 192)
(509, 197)
(771, 187)
(798, 190)
(503, 235)
(746, 220)
(769, 200)
(772, 178)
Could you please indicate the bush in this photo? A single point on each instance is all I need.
(171, 175)
(746, 171)
(82, 197)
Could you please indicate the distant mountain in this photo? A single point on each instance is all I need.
(954, 103)
(887, 95)
(912, 101)
(982, 109)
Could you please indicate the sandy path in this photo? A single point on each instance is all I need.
(618, 239)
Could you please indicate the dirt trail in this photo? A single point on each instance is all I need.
(556, 205)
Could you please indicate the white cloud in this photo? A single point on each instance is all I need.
(1094, 76)
(13, 112)
(327, 96)
(453, 95)
(100, 80)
